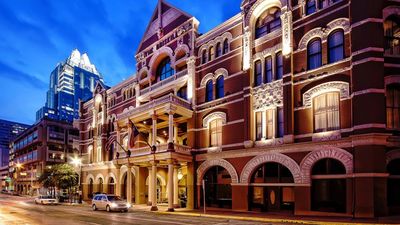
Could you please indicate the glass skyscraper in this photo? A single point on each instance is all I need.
(8, 131)
(70, 81)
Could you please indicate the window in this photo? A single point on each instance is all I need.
(268, 22)
(218, 50)
(314, 54)
(326, 112)
(220, 87)
(182, 92)
(165, 70)
(216, 133)
(322, 4)
(257, 73)
(311, 7)
(99, 156)
(268, 69)
(226, 46)
(259, 123)
(211, 53)
(392, 35)
(204, 57)
(392, 107)
(336, 46)
(279, 65)
(280, 125)
(209, 91)
(270, 124)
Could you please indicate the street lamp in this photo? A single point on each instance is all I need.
(78, 162)
(18, 169)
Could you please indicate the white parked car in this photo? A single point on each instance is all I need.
(110, 203)
(45, 200)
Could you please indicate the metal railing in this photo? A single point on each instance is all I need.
(174, 77)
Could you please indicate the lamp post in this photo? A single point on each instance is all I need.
(19, 166)
(78, 162)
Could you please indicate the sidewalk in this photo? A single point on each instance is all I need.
(269, 217)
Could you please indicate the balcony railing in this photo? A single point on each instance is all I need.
(175, 77)
(160, 149)
(156, 102)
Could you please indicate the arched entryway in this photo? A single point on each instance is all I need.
(328, 187)
(100, 185)
(160, 189)
(124, 186)
(111, 186)
(218, 189)
(90, 188)
(271, 188)
(393, 186)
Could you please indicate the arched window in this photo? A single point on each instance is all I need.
(220, 87)
(268, 22)
(216, 133)
(218, 188)
(392, 35)
(257, 73)
(111, 152)
(311, 7)
(101, 185)
(326, 112)
(226, 46)
(90, 191)
(328, 190)
(314, 54)
(211, 53)
(209, 91)
(393, 106)
(218, 50)
(336, 46)
(279, 65)
(204, 56)
(99, 155)
(90, 153)
(268, 69)
(182, 92)
(165, 70)
(111, 186)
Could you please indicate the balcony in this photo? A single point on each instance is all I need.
(164, 83)
(182, 149)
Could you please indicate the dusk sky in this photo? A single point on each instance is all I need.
(37, 34)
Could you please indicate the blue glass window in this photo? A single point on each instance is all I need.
(218, 50)
(257, 73)
(268, 69)
(311, 7)
(268, 22)
(336, 46)
(279, 65)
(220, 87)
(226, 46)
(204, 57)
(314, 54)
(209, 91)
(165, 70)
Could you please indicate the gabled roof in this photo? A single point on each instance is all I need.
(163, 15)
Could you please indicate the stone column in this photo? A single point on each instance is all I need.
(191, 87)
(176, 193)
(129, 185)
(176, 133)
(171, 188)
(149, 192)
(154, 186)
(117, 181)
(154, 129)
(170, 126)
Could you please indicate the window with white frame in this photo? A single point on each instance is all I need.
(326, 112)
(215, 132)
(269, 124)
(259, 126)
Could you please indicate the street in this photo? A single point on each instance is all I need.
(21, 210)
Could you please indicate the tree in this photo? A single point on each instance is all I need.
(62, 176)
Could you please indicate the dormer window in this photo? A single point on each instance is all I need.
(165, 70)
(268, 22)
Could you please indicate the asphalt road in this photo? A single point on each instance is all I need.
(19, 210)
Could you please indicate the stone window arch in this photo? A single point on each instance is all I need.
(216, 162)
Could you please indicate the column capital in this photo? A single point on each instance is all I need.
(171, 161)
(170, 109)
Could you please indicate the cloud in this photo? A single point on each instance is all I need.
(19, 76)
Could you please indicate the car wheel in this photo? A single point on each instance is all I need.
(108, 208)
(94, 207)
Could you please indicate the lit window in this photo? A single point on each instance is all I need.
(216, 133)
(259, 126)
(268, 22)
(392, 35)
(280, 124)
(211, 53)
(209, 91)
(220, 87)
(311, 7)
(165, 70)
(279, 65)
(393, 107)
(268, 69)
(336, 46)
(270, 124)
(257, 73)
(314, 54)
(326, 112)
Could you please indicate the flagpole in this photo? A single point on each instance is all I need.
(141, 134)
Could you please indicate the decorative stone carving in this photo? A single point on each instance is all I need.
(323, 33)
(259, 7)
(267, 95)
(255, 162)
(287, 30)
(248, 144)
(213, 116)
(326, 136)
(246, 49)
(216, 162)
(269, 142)
(322, 152)
(342, 87)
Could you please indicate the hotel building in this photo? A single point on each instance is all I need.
(289, 106)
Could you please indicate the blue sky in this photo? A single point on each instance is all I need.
(37, 34)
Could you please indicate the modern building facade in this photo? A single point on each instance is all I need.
(70, 82)
(8, 131)
(290, 106)
(46, 143)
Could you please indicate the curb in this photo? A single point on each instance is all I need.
(267, 220)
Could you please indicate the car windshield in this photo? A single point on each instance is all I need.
(114, 198)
